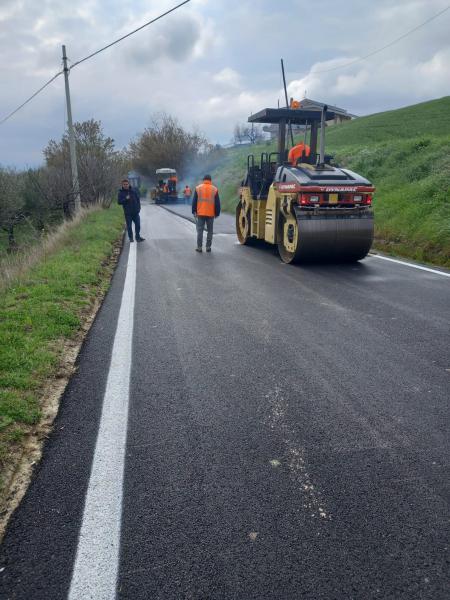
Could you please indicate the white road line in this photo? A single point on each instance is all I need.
(97, 560)
(407, 264)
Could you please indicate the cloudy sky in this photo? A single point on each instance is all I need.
(211, 63)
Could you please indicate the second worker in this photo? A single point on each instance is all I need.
(205, 207)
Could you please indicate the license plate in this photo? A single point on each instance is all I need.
(333, 198)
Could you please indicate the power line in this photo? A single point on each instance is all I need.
(128, 34)
(30, 98)
(383, 47)
(90, 56)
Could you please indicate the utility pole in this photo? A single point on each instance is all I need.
(72, 147)
(287, 102)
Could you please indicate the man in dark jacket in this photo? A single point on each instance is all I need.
(129, 199)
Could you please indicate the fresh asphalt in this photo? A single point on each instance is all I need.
(288, 431)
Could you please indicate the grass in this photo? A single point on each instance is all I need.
(25, 235)
(406, 154)
(43, 307)
(412, 203)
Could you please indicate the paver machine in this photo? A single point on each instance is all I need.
(166, 189)
(309, 208)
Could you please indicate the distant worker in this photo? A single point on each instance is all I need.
(294, 104)
(172, 183)
(187, 194)
(129, 199)
(296, 153)
(166, 188)
(205, 207)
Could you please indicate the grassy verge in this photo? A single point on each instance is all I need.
(43, 309)
(412, 202)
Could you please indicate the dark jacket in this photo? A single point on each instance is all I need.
(216, 203)
(129, 199)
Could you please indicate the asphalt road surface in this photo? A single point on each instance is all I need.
(268, 431)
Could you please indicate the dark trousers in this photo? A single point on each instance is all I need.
(201, 222)
(137, 225)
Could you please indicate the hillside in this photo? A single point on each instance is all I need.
(425, 119)
(406, 153)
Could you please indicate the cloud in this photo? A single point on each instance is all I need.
(175, 40)
(208, 65)
(228, 78)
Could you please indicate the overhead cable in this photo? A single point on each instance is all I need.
(31, 97)
(128, 34)
(352, 62)
(90, 56)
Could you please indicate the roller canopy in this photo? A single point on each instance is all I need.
(296, 116)
(166, 172)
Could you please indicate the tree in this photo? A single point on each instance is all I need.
(11, 203)
(100, 166)
(247, 133)
(166, 144)
(41, 205)
(238, 134)
(254, 133)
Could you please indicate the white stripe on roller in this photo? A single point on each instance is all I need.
(96, 564)
(407, 264)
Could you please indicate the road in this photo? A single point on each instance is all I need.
(285, 434)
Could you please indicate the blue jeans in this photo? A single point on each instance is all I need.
(137, 225)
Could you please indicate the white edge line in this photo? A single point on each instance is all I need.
(97, 560)
(407, 264)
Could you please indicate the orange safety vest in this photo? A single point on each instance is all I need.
(296, 152)
(187, 191)
(206, 194)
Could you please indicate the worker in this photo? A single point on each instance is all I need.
(166, 188)
(294, 104)
(297, 152)
(187, 194)
(205, 207)
(129, 199)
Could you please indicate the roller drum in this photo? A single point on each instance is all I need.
(340, 237)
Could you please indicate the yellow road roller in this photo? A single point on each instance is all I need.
(311, 209)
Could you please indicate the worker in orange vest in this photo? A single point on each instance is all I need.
(187, 194)
(172, 184)
(297, 151)
(205, 207)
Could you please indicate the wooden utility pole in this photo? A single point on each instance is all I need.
(72, 146)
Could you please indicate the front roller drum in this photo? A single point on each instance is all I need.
(342, 238)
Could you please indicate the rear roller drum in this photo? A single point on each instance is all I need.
(243, 225)
(288, 241)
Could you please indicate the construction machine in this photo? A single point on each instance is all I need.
(308, 207)
(166, 189)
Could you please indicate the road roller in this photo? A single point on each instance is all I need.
(299, 200)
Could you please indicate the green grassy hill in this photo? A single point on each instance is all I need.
(425, 119)
(406, 154)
